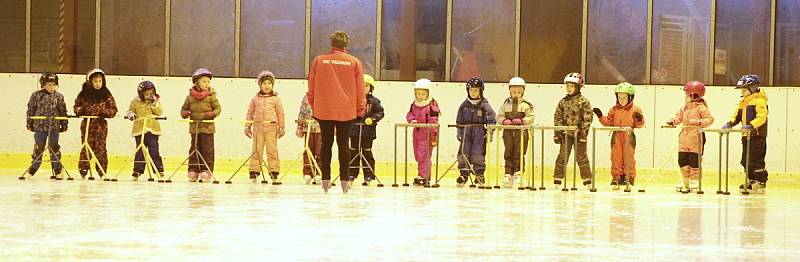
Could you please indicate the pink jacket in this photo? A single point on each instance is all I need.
(694, 113)
(336, 86)
(426, 113)
(266, 108)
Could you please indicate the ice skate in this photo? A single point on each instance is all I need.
(254, 177)
(508, 181)
(205, 176)
(326, 185)
(135, 176)
(308, 179)
(192, 175)
(517, 179)
(461, 181)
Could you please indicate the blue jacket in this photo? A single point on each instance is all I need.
(480, 113)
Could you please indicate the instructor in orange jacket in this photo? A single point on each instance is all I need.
(336, 96)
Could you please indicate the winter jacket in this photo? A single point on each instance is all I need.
(374, 111)
(753, 110)
(574, 110)
(198, 103)
(622, 116)
(145, 110)
(104, 108)
(305, 114)
(522, 109)
(689, 138)
(266, 107)
(424, 113)
(479, 113)
(336, 86)
(43, 103)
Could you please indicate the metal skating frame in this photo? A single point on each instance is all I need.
(149, 166)
(50, 152)
(361, 159)
(405, 126)
(611, 129)
(464, 156)
(726, 134)
(497, 130)
(566, 129)
(261, 165)
(699, 156)
(194, 152)
(93, 163)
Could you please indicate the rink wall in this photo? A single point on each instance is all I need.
(656, 146)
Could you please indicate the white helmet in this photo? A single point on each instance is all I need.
(516, 81)
(574, 78)
(423, 83)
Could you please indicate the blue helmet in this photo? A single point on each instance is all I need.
(750, 82)
(475, 81)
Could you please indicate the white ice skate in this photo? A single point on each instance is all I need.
(517, 179)
(205, 176)
(508, 181)
(308, 179)
(192, 176)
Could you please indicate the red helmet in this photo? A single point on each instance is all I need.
(695, 88)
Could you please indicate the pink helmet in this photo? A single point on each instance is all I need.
(695, 88)
(201, 72)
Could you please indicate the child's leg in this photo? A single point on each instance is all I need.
(259, 139)
(194, 156)
(272, 150)
(421, 149)
(687, 161)
(464, 156)
(758, 150)
(97, 140)
(356, 162)
(151, 141)
(510, 154)
(315, 144)
(564, 152)
(39, 145)
(583, 162)
(138, 158)
(630, 153)
(83, 159)
(206, 146)
(477, 156)
(366, 146)
(55, 151)
(617, 165)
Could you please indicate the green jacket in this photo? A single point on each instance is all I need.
(574, 110)
(199, 103)
(144, 111)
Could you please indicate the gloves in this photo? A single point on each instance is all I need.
(597, 112)
(670, 123)
(299, 133)
(695, 122)
(130, 116)
(507, 122)
(62, 127)
(281, 132)
(747, 127)
(185, 113)
(209, 115)
(727, 125)
(154, 98)
(517, 121)
(557, 139)
(368, 121)
(248, 132)
(638, 116)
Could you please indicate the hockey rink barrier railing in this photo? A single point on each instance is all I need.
(725, 132)
(149, 166)
(405, 127)
(611, 129)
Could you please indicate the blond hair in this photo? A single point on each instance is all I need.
(340, 39)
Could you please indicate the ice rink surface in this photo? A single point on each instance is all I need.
(70, 220)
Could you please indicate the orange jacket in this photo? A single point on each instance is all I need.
(336, 87)
(622, 116)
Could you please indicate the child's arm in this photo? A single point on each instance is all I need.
(304, 114)
(676, 120)
(215, 109)
(279, 112)
(459, 121)
(433, 115)
(761, 113)
(706, 118)
(735, 119)
(528, 119)
(77, 107)
(157, 109)
(377, 111)
(31, 110)
(490, 114)
(587, 119)
(62, 111)
(109, 109)
(608, 119)
(557, 120)
(410, 115)
(501, 116)
(638, 118)
(185, 112)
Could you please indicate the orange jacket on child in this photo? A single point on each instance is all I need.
(623, 116)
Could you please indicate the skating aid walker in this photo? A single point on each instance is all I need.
(261, 164)
(93, 162)
(149, 166)
(194, 152)
(54, 158)
(405, 127)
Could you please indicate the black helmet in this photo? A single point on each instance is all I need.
(48, 77)
(475, 82)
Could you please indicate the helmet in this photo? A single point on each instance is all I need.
(266, 74)
(369, 80)
(625, 87)
(475, 81)
(93, 72)
(695, 88)
(516, 81)
(48, 77)
(423, 83)
(201, 72)
(750, 82)
(574, 78)
(144, 86)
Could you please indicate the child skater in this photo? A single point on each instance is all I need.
(95, 100)
(623, 144)
(373, 115)
(472, 117)
(314, 140)
(515, 111)
(752, 112)
(265, 106)
(694, 113)
(201, 104)
(141, 111)
(49, 103)
(423, 110)
(573, 110)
